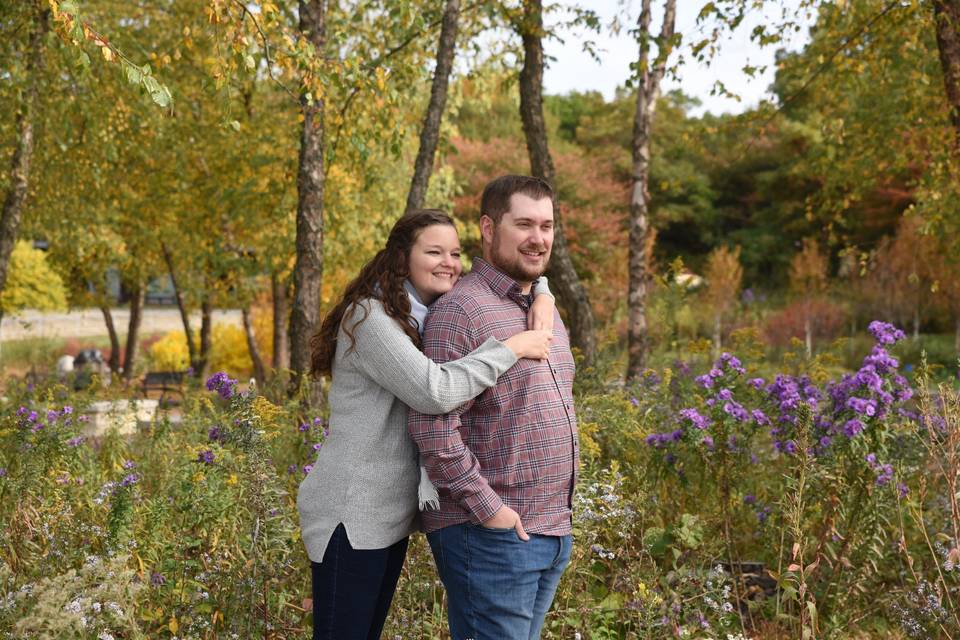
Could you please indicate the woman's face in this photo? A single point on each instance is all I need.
(435, 261)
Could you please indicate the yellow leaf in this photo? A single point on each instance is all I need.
(107, 53)
(173, 625)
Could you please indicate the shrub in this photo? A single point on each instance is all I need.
(228, 351)
(827, 321)
(31, 283)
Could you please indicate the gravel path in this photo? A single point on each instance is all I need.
(89, 322)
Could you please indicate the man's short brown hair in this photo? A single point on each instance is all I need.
(495, 200)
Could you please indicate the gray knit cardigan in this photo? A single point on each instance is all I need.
(366, 473)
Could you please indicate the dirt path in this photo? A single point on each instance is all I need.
(89, 323)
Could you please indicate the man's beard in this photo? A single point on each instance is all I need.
(513, 265)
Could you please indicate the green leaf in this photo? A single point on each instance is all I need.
(134, 75)
(69, 6)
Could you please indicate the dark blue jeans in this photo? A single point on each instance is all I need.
(498, 586)
(352, 588)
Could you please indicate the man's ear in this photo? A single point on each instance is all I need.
(487, 226)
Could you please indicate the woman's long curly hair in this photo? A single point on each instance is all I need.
(380, 278)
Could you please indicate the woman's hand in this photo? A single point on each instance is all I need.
(530, 344)
(541, 311)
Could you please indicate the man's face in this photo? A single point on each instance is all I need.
(520, 244)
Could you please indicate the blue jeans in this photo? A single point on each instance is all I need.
(352, 588)
(498, 586)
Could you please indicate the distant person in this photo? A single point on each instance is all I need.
(64, 366)
(359, 503)
(506, 462)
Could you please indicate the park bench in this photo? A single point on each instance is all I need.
(167, 383)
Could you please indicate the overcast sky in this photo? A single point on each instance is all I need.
(573, 69)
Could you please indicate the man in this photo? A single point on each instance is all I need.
(505, 463)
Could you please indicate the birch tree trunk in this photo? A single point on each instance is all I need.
(259, 371)
(308, 272)
(133, 331)
(23, 153)
(430, 132)
(206, 333)
(181, 305)
(648, 90)
(563, 276)
(114, 361)
(281, 354)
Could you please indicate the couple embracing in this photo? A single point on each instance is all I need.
(451, 412)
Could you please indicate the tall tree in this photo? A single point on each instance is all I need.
(724, 277)
(430, 131)
(648, 90)
(808, 281)
(308, 272)
(563, 277)
(947, 17)
(23, 153)
(133, 330)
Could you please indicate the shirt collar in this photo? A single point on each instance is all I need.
(501, 284)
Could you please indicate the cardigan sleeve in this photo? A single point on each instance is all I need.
(383, 352)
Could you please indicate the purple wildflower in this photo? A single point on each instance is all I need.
(698, 421)
(749, 499)
(222, 384)
(756, 383)
(885, 333)
(75, 442)
(130, 480)
(205, 456)
(157, 579)
(304, 427)
(307, 468)
(852, 427)
(634, 402)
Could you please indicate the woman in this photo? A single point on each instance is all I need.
(358, 504)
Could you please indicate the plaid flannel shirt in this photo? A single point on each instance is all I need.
(514, 444)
